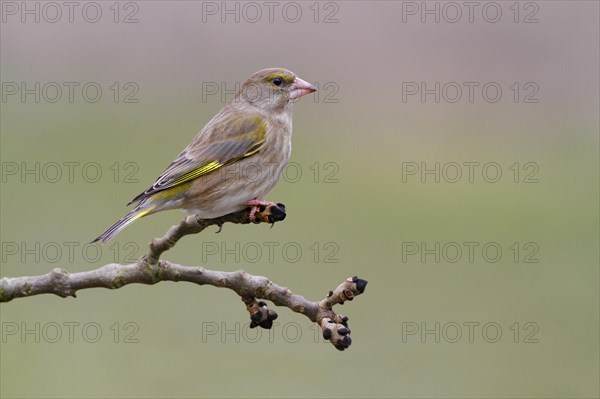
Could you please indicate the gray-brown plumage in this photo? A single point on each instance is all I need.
(235, 160)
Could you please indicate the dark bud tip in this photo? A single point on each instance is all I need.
(329, 294)
(327, 333)
(343, 344)
(277, 213)
(343, 331)
(256, 317)
(272, 316)
(267, 324)
(361, 285)
(262, 304)
(253, 325)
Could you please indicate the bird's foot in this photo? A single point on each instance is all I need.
(258, 205)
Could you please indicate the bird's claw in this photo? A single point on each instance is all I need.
(257, 205)
(265, 212)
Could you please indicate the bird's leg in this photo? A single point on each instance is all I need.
(256, 205)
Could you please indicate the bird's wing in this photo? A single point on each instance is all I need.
(244, 137)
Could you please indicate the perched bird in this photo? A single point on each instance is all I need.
(235, 160)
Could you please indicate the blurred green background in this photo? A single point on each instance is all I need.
(355, 209)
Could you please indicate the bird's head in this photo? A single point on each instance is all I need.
(273, 89)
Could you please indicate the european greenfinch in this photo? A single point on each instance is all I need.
(235, 160)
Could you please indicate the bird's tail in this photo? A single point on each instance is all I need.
(140, 211)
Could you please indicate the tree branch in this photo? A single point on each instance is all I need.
(150, 270)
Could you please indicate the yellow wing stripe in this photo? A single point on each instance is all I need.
(256, 137)
(195, 173)
(212, 166)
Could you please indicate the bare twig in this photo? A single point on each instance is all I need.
(150, 270)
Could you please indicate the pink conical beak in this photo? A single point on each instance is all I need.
(301, 88)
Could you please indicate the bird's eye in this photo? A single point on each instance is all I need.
(277, 81)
